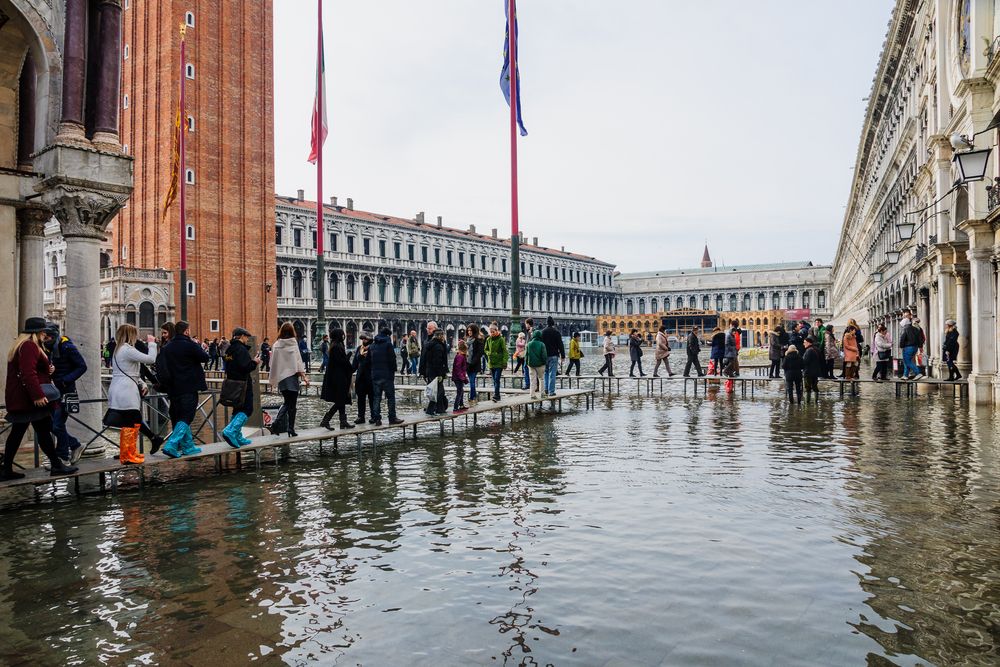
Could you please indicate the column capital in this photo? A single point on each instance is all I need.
(979, 254)
(82, 213)
(31, 221)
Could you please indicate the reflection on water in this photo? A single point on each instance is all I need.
(651, 530)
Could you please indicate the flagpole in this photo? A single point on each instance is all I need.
(515, 236)
(318, 133)
(181, 181)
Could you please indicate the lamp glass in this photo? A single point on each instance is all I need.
(972, 164)
(876, 277)
(905, 230)
(892, 256)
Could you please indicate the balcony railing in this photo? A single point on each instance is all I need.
(135, 274)
(993, 194)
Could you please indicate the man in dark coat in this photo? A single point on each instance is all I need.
(635, 353)
(813, 367)
(693, 349)
(797, 339)
(383, 370)
(239, 367)
(434, 360)
(70, 366)
(909, 342)
(337, 381)
(434, 365)
(361, 363)
(180, 366)
(555, 352)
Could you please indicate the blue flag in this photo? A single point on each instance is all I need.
(505, 72)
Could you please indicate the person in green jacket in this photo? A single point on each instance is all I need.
(536, 358)
(496, 357)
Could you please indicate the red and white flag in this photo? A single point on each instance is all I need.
(319, 126)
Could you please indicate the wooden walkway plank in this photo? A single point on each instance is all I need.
(112, 468)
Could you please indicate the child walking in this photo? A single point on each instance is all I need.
(460, 376)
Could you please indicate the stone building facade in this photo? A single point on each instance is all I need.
(397, 272)
(229, 163)
(937, 77)
(60, 155)
(755, 294)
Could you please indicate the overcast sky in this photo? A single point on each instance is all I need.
(655, 125)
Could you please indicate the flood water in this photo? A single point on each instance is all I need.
(650, 531)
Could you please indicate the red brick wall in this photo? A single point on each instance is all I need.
(231, 204)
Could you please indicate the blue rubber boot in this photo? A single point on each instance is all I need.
(187, 445)
(244, 441)
(172, 447)
(233, 433)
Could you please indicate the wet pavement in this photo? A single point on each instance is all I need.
(651, 531)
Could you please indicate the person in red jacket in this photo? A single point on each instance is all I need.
(29, 375)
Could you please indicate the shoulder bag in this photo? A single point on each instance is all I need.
(233, 393)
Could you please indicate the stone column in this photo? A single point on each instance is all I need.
(109, 76)
(962, 320)
(31, 241)
(996, 330)
(74, 92)
(982, 331)
(83, 216)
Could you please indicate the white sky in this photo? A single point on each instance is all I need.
(655, 125)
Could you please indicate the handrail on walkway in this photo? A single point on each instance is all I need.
(151, 413)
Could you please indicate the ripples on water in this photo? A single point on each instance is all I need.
(649, 531)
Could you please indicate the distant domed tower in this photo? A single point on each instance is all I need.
(706, 261)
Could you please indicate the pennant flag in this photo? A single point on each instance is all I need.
(319, 125)
(175, 164)
(505, 72)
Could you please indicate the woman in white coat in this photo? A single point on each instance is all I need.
(126, 391)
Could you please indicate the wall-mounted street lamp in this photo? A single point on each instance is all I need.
(971, 162)
(905, 230)
(892, 256)
(877, 277)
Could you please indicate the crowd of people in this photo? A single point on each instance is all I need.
(43, 367)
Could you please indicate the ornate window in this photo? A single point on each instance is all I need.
(761, 304)
(705, 302)
(732, 303)
(297, 284)
(642, 306)
(821, 299)
(147, 315)
(692, 302)
(746, 302)
(775, 300)
(654, 305)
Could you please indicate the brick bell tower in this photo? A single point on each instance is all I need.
(706, 260)
(229, 134)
